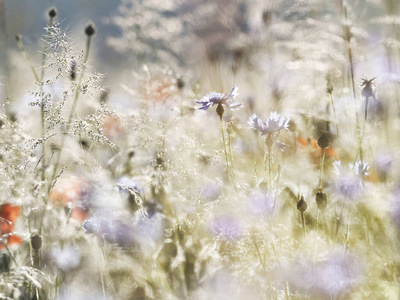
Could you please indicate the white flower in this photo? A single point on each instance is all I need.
(215, 98)
(274, 124)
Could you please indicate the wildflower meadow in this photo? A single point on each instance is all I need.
(200, 149)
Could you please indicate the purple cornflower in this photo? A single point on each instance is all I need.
(274, 124)
(271, 128)
(215, 98)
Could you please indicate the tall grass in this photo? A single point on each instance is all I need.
(152, 195)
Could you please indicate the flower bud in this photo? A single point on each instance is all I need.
(180, 83)
(329, 86)
(323, 141)
(320, 198)
(302, 204)
(36, 242)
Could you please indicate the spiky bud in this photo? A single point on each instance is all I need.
(302, 204)
(90, 29)
(36, 242)
(52, 12)
(323, 141)
(322, 201)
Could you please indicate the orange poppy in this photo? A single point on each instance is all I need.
(71, 191)
(8, 216)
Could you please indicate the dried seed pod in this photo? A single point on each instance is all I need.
(36, 242)
(302, 204)
(322, 201)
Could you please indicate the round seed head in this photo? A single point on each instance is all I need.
(36, 242)
(90, 29)
(52, 12)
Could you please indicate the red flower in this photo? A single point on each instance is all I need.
(8, 216)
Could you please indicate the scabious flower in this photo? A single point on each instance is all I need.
(220, 99)
(337, 275)
(349, 183)
(261, 203)
(226, 227)
(333, 276)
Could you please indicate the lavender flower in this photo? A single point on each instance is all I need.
(215, 98)
(274, 124)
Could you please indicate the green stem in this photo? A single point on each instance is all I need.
(9, 253)
(334, 114)
(224, 142)
(359, 150)
(43, 121)
(258, 251)
(303, 223)
(23, 52)
(321, 169)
